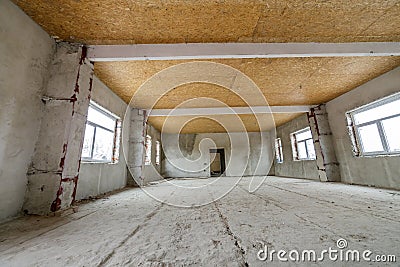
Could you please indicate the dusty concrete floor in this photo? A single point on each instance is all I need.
(131, 229)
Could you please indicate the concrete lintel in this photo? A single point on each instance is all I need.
(228, 110)
(239, 50)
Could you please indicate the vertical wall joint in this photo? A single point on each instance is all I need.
(327, 165)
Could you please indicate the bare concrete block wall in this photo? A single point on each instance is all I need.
(291, 168)
(139, 173)
(327, 164)
(377, 171)
(97, 178)
(25, 53)
(137, 133)
(54, 171)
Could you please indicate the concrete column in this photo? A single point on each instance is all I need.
(137, 135)
(53, 173)
(328, 166)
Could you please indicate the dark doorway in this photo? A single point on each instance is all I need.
(217, 166)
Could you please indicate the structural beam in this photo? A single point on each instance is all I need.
(239, 50)
(226, 111)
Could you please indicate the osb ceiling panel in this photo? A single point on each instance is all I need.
(284, 81)
(180, 21)
(219, 123)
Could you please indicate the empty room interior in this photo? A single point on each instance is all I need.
(199, 133)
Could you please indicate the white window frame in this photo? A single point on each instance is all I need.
(353, 128)
(278, 150)
(116, 132)
(295, 145)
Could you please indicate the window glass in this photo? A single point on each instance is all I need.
(392, 133)
(88, 142)
(370, 139)
(97, 117)
(100, 136)
(278, 150)
(303, 145)
(301, 150)
(376, 127)
(303, 135)
(310, 148)
(103, 145)
(379, 112)
(147, 159)
(158, 152)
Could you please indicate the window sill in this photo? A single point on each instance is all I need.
(299, 160)
(98, 162)
(377, 155)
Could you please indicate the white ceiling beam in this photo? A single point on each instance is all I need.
(239, 50)
(227, 111)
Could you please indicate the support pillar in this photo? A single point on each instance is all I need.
(328, 166)
(137, 136)
(53, 173)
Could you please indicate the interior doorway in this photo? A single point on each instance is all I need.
(217, 166)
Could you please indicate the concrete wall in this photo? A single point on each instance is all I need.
(25, 52)
(98, 178)
(195, 147)
(378, 171)
(291, 168)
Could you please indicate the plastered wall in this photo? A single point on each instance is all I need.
(25, 53)
(98, 178)
(195, 147)
(377, 171)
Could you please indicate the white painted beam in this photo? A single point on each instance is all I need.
(227, 111)
(239, 50)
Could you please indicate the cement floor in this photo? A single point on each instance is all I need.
(129, 228)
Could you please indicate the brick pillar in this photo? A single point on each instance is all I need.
(53, 174)
(137, 135)
(328, 166)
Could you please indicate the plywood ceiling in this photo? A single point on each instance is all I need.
(179, 21)
(284, 81)
(218, 123)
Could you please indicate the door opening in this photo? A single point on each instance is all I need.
(217, 166)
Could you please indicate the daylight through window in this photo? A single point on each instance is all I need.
(147, 159)
(100, 135)
(158, 152)
(303, 145)
(376, 127)
(278, 150)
